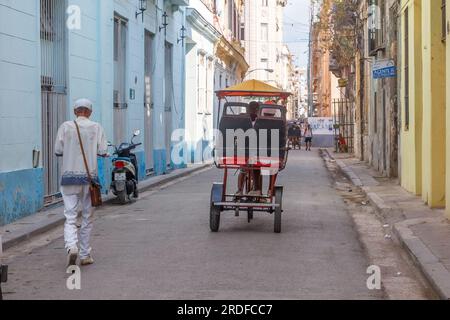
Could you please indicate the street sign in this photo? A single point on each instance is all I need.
(384, 69)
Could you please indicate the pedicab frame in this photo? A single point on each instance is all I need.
(271, 202)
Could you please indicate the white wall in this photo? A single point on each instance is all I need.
(199, 124)
(20, 98)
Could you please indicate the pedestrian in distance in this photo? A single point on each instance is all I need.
(298, 136)
(291, 135)
(308, 137)
(79, 143)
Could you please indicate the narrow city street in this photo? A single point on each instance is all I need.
(161, 247)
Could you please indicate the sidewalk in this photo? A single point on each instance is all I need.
(423, 232)
(47, 219)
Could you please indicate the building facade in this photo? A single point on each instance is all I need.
(54, 52)
(263, 39)
(403, 119)
(320, 67)
(201, 40)
(376, 125)
(289, 81)
(151, 65)
(230, 62)
(424, 144)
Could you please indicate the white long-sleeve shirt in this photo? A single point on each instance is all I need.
(67, 146)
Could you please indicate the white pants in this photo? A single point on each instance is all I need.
(74, 203)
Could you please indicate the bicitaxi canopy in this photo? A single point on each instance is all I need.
(253, 88)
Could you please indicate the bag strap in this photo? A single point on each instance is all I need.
(82, 152)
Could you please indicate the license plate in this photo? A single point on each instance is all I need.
(120, 176)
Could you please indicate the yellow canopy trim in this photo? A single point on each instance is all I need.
(253, 88)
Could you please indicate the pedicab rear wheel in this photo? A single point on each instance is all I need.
(214, 211)
(278, 209)
(214, 218)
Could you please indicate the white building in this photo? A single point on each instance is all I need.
(264, 39)
(289, 81)
(201, 40)
(214, 60)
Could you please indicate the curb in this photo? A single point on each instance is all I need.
(9, 241)
(379, 203)
(434, 271)
(348, 172)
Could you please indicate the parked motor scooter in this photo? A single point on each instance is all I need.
(125, 172)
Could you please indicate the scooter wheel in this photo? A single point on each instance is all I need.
(122, 197)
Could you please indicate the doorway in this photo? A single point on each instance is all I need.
(148, 103)
(168, 104)
(119, 99)
(53, 89)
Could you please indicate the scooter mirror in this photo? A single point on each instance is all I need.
(137, 133)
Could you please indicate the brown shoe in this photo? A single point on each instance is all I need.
(86, 261)
(72, 256)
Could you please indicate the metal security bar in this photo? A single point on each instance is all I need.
(53, 115)
(53, 45)
(53, 88)
(343, 111)
(120, 59)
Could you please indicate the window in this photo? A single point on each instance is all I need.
(265, 65)
(47, 24)
(271, 112)
(53, 44)
(209, 88)
(444, 20)
(406, 45)
(376, 25)
(264, 32)
(202, 83)
(242, 31)
(382, 22)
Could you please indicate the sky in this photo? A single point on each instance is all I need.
(296, 29)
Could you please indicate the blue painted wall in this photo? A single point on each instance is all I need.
(21, 194)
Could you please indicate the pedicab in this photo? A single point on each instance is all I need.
(261, 151)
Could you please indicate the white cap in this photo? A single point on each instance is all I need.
(83, 103)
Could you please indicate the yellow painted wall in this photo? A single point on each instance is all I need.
(433, 82)
(447, 174)
(411, 138)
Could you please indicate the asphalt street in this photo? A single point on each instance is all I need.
(160, 247)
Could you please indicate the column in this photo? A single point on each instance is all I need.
(433, 81)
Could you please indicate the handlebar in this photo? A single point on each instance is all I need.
(131, 147)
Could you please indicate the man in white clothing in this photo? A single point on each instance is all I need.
(75, 180)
